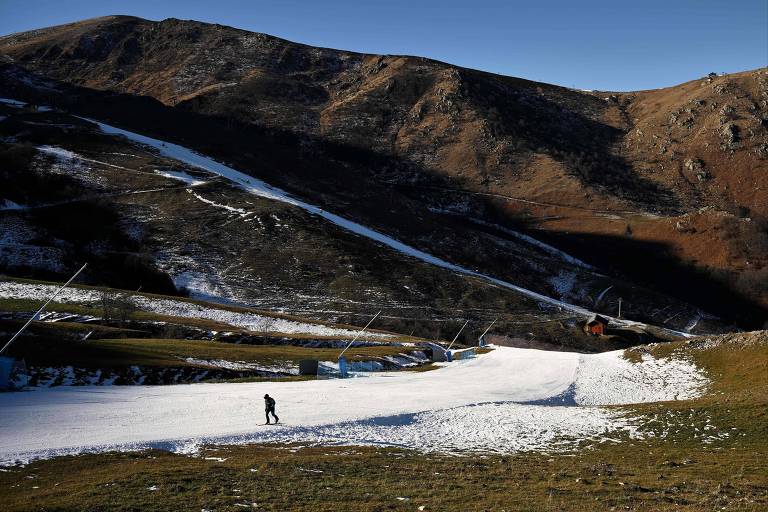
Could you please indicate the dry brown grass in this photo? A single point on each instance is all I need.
(636, 477)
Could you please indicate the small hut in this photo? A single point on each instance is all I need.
(596, 325)
(308, 366)
(439, 353)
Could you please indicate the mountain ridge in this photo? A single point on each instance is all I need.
(601, 175)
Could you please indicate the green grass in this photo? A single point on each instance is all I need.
(94, 309)
(115, 353)
(29, 305)
(32, 305)
(68, 329)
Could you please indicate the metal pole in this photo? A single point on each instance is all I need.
(457, 335)
(41, 309)
(359, 333)
(619, 307)
(488, 329)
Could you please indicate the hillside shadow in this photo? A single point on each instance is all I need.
(565, 399)
(356, 180)
(653, 265)
(542, 118)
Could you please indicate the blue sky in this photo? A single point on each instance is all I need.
(609, 45)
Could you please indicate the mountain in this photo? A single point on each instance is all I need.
(654, 197)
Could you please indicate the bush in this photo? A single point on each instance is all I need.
(115, 306)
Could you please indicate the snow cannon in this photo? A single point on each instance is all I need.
(13, 374)
(343, 362)
(343, 370)
(481, 340)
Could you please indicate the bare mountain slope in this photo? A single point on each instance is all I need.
(666, 187)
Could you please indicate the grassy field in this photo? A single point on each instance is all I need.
(114, 353)
(674, 472)
(156, 341)
(94, 308)
(639, 476)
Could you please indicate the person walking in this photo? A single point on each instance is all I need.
(269, 407)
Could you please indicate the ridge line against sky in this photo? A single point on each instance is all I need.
(593, 44)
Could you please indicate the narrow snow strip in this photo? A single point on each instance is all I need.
(250, 321)
(65, 154)
(490, 406)
(244, 365)
(41, 292)
(58, 152)
(218, 205)
(181, 176)
(693, 323)
(602, 294)
(7, 204)
(12, 103)
(260, 188)
(245, 320)
(554, 251)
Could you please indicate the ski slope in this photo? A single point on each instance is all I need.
(504, 401)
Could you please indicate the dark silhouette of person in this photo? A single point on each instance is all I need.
(269, 407)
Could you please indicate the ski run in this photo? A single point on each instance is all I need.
(505, 401)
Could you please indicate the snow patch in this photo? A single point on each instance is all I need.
(610, 379)
(12, 103)
(181, 176)
(218, 205)
(246, 320)
(564, 283)
(7, 204)
(202, 285)
(17, 251)
(283, 367)
(71, 164)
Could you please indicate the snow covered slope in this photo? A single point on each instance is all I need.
(510, 399)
